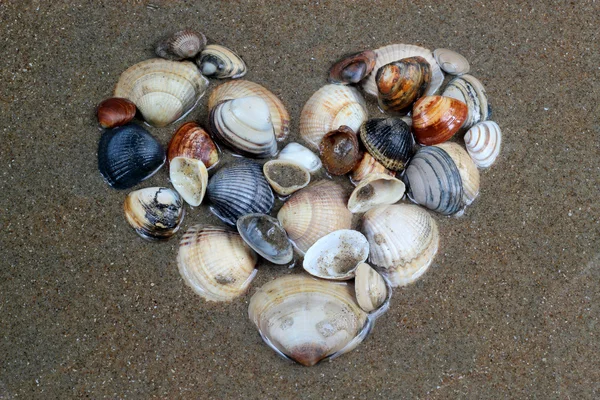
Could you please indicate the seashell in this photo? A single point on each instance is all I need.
(191, 141)
(265, 235)
(434, 181)
(155, 213)
(313, 212)
(336, 255)
(395, 52)
(469, 175)
(451, 62)
(403, 240)
(286, 177)
(244, 124)
(370, 288)
(329, 108)
(180, 45)
(374, 190)
(437, 118)
(190, 178)
(470, 91)
(299, 154)
(483, 143)
(220, 62)
(340, 151)
(238, 189)
(366, 166)
(215, 262)
(352, 68)
(401, 83)
(241, 88)
(162, 90)
(307, 319)
(127, 155)
(115, 112)
(389, 141)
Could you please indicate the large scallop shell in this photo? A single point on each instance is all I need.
(437, 118)
(451, 61)
(470, 91)
(366, 166)
(286, 177)
(403, 241)
(162, 90)
(335, 256)
(375, 190)
(115, 112)
(155, 213)
(483, 143)
(313, 212)
(340, 151)
(308, 319)
(241, 88)
(352, 68)
(401, 83)
(191, 141)
(329, 108)
(389, 141)
(190, 178)
(220, 62)
(266, 236)
(469, 175)
(180, 45)
(395, 52)
(215, 262)
(302, 156)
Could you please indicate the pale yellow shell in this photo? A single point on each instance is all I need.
(366, 166)
(466, 168)
(374, 190)
(189, 177)
(483, 143)
(370, 288)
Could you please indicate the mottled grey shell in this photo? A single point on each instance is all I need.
(389, 141)
(181, 45)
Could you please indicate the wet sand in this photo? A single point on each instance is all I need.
(509, 308)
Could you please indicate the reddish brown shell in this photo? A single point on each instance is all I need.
(340, 151)
(191, 141)
(437, 118)
(401, 83)
(352, 68)
(115, 111)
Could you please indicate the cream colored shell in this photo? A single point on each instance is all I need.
(371, 290)
(374, 190)
(483, 143)
(366, 166)
(451, 61)
(189, 177)
(299, 154)
(284, 190)
(466, 168)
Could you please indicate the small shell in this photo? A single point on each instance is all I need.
(434, 181)
(190, 178)
(340, 151)
(220, 62)
(451, 62)
(191, 141)
(366, 166)
(115, 112)
(370, 288)
(162, 90)
(286, 177)
(238, 189)
(375, 190)
(352, 68)
(483, 143)
(300, 155)
(127, 155)
(182, 44)
(469, 175)
(389, 141)
(403, 240)
(215, 262)
(313, 212)
(336, 255)
(241, 88)
(401, 83)
(470, 91)
(437, 118)
(266, 236)
(329, 108)
(155, 213)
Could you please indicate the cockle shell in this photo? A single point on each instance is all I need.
(241, 88)
(299, 154)
(313, 212)
(352, 68)
(162, 90)
(401, 83)
(389, 141)
(374, 190)
(190, 178)
(370, 288)
(286, 177)
(483, 143)
(215, 262)
(469, 175)
(403, 240)
(366, 166)
(336, 255)
(437, 118)
(220, 62)
(181, 45)
(451, 62)
(470, 91)
(155, 213)
(115, 112)
(340, 150)
(307, 319)
(265, 235)
(329, 108)
(191, 141)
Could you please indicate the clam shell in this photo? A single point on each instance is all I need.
(389, 141)
(115, 112)
(215, 262)
(352, 68)
(180, 45)
(401, 83)
(370, 288)
(244, 124)
(451, 62)
(329, 108)
(470, 91)
(241, 88)
(313, 212)
(265, 235)
(191, 141)
(238, 189)
(299, 154)
(127, 155)
(366, 166)
(190, 178)
(374, 190)
(340, 151)
(286, 177)
(220, 62)
(403, 240)
(308, 319)
(437, 118)
(395, 52)
(155, 213)
(434, 181)
(483, 143)
(469, 175)
(162, 90)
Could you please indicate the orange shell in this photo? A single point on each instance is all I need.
(437, 118)
(191, 141)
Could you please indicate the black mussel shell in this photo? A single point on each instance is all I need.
(389, 141)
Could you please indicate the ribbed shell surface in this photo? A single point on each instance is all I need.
(470, 91)
(180, 45)
(389, 141)
(483, 142)
(220, 62)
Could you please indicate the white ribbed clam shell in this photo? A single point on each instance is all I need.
(299, 154)
(469, 174)
(451, 61)
(470, 91)
(483, 143)
(336, 255)
(373, 190)
(190, 178)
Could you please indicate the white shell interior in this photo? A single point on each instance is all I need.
(299, 154)
(189, 177)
